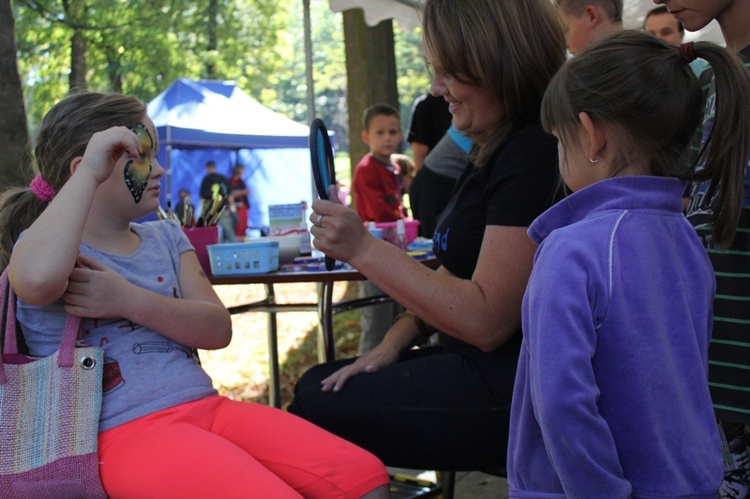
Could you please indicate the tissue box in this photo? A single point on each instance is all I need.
(237, 259)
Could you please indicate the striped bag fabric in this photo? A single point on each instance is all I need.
(49, 414)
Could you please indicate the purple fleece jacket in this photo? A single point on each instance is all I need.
(611, 397)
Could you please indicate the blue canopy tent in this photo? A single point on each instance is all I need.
(198, 121)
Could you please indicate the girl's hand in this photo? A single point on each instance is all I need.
(340, 234)
(370, 362)
(106, 148)
(95, 290)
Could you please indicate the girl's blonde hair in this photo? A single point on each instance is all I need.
(645, 89)
(63, 136)
(511, 47)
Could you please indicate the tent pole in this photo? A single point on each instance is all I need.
(309, 70)
(309, 62)
(169, 165)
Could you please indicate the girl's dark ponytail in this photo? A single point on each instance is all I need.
(19, 207)
(728, 145)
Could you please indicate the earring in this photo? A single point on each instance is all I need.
(594, 160)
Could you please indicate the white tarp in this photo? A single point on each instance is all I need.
(407, 16)
(405, 12)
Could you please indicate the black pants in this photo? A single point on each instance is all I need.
(437, 408)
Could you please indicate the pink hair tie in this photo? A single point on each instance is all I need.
(41, 189)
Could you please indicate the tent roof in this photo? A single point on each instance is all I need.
(219, 114)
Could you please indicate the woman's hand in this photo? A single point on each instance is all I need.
(104, 150)
(370, 362)
(338, 230)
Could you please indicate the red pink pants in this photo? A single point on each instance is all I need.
(217, 447)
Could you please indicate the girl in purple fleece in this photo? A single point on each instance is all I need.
(611, 396)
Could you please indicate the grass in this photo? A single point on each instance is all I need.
(241, 371)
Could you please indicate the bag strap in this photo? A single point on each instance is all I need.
(10, 346)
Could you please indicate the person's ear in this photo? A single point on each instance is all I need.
(74, 163)
(592, 14)
(365, 138)
(596, 136)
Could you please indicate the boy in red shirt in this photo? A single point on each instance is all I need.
(377, 184)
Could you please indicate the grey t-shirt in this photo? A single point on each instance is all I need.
(144, 372)
(447, 158)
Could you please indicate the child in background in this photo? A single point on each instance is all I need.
(182, 209)
(164, 431)
(714, 210)
(377, 191)
(239, 192)
(376, 186)
(611, 396)
(407, 169)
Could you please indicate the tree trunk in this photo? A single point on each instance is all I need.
(213, 43)
(15, 161)
(370, 72)
(114, 70)
(77, 62)
(74, 11)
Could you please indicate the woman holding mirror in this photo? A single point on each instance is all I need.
(447, 406)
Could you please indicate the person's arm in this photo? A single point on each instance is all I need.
(483, 311)
(44, 257)
(419, 152)
(244, 190)
(403, 335)
(196, 320)
(561, 336)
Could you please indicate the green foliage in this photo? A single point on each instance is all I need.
(413, 78)
(140, 47)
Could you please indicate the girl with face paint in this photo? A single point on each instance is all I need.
(71, 247)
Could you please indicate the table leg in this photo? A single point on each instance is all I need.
(326, 352)
(274, 381)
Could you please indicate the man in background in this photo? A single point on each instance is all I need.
(428, 122)
(661, 24)
(587, 20)
(212, 184)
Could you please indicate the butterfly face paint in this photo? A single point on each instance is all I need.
(138, 171)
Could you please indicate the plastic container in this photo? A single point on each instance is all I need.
(389, 230)
(200, 238)
(289, 246)
(373, 229)
(237, 259)
(401, 241)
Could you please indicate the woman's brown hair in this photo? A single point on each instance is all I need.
(511, 47)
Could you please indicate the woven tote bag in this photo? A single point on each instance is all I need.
(49, 414)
